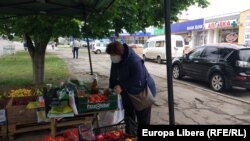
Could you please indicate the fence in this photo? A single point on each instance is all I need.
(7, 50)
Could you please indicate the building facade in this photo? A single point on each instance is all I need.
(136, 38)
(192, 31)
(244, 28)
(222, 29)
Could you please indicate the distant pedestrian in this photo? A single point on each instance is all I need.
(75, 48)
(53, 46)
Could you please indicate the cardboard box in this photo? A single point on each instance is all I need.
(19, 113)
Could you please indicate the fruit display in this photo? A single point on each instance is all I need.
(20, 93)
(17, 101)
(38, 92)
(24, 92)
(68, 135)
(96, 102)
(61, 109)
(110, 136)
(95, 98)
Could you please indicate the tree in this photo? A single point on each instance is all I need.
(131, 15)
(136, 15)
(37, 32)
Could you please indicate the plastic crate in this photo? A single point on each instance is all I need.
(105, 129)
(86, 133)
(84, 106)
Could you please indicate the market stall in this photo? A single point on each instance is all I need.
(71, 105)
(30, 7)
(75, 99)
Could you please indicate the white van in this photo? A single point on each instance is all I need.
(155, 47)
(99, 46)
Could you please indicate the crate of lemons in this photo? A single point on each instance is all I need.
(23, 96)
(25, 92)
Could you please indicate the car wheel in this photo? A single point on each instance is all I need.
(159, 60)
(144, 57)
(98, 52)
(217, 82)
(177, 72)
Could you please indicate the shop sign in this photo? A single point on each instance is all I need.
(194, 27)
(142, 34)
(221, 24)
(187, 26)
(159, 31)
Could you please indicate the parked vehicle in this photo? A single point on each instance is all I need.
(155, 48)
(136, 45)
(99, 46)
(222, 65)
(83, 43)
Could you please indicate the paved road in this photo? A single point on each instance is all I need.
(193, 104)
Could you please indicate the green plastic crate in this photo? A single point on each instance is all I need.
(83, 106)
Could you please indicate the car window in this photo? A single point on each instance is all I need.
(196, 53)
(244, 55)
(225, 52)
(159, 44)
(151, 44)
(146, 44)
(179, 43)
(211, 53)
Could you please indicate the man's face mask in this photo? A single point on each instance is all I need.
(115, 58)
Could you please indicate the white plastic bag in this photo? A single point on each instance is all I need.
(112, 117)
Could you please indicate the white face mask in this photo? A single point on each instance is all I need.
(115, 58)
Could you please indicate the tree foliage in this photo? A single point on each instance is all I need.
(136, 15)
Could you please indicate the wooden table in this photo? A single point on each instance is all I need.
(53, 122)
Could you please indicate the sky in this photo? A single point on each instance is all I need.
(216, 7)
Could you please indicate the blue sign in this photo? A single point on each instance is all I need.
(142, 34)
(188, 26)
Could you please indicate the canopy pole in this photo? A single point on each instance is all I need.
(169, 62)
(90, 61)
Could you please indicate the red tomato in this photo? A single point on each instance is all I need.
(49, 138)
(60, 138)
(128, 139)
(97, 99)
(99, 137)
(121, 133)
(91, 99)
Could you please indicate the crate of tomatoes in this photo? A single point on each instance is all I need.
(97, 102)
